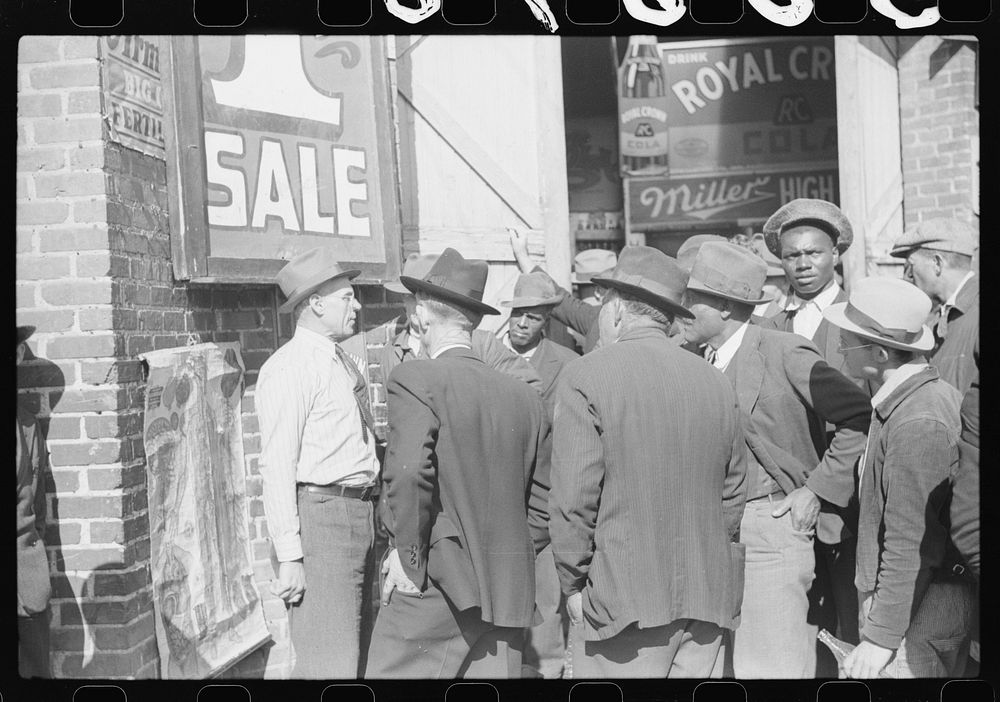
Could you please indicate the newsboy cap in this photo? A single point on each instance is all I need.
(818, 213)
(592, 262)
(938, 234)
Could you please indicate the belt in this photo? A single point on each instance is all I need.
(778, 494)
(358, 492)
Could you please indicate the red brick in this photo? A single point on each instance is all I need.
(63, 428)
(21, 188)
(86, 559)
(68, 586)
(96, 319)
(74, 401)
(83, 346)
(70, 184)
(25, 241)
(38, 49)
(104, 426)
(85, 101)
(63, 533)
(39, 105)
(42, 267)
(952, 200)
(78, 292)
(31, 160)
(104, 372)
(85, 239)
(47, 320)
(80, 47)
(76, 507)
(68, 130)
(67, 639)
(85, 453)
(64, 481)
(25, 295)
(66, 75)
(87, 211)
(109, 532)
(115, 478)
(100, 665)
(41, 213)
(934, 187)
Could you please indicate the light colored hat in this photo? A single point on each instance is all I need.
(938, 234)
(649, 275)
(592, 262)
(415, 266)
(819, 213)
(888, 311)
(688, 251)
(729, 271)
(533, 290)
(306, 272)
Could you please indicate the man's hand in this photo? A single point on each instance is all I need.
(519, 245)
(395, 577)
(804, 506)
(291, 583)
(866, 661)
(574, 608)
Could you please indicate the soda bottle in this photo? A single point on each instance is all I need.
(841, 649)
(642, 109)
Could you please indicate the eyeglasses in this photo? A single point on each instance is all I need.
(842, 348)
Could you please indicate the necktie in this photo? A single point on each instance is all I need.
(710, 354)
(360, 393)
(942, 325)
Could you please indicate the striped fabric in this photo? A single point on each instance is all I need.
(311, 431)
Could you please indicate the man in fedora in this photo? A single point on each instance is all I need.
(464, 442)
(938, 255)
(319, 467)
(788, 394)
(809, 236)
(535, 295)
(33, 586)
(406, 344)
(917, 609)
(647, 490)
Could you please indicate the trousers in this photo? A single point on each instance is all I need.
(337, 535)
(545, 643)
(833, 599)
(33, 646)
(423, 636)
(775, 639)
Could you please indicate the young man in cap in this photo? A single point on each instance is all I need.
(916, 608)
(647, 490)
(318, 467)
(33, 586)
(464, 442)
(406, 344)
(534, 297)
(788, 394)
(938, 255)
(809, 236)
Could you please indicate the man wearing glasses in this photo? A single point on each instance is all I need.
(319, 467)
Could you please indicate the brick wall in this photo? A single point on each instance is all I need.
(940, 128)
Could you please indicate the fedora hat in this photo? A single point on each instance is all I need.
(306, 272)
(819, 213)
(24, 332)
(888, 311)
(729, 271)
(688, 251)
(454, 279)
(415, 266)
(938, 234)
(649, 275)
(591, 263)
(534, 290)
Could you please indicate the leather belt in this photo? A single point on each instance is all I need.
(357, 492)
(778, 494)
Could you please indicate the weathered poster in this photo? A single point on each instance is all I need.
(207, 608)
(133, 92)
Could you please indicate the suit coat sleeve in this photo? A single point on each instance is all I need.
(577, 479)
(577, 315)
(410, 474)
(498, 357)
(539, 487)
(837, 401)
(965, 484)
(737, 484)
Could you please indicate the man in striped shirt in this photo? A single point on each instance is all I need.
(318, 467)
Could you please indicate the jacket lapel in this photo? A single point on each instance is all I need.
(747, 369)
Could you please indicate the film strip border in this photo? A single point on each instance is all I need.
(530, 16)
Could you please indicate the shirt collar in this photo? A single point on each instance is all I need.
(450, 346)
(527, 354)
(826, 298)
(315, 339)
(954, 296)
(724, 354)
(895, 380)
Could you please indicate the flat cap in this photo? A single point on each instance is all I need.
(819, 213)
(938, 234)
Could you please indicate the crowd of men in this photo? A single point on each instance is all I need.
(685, 470)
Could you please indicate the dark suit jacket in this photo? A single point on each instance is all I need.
(826, 338)
(954, 356)
(965, 483)
(549, 359)
(789, 393)
(33, 586)
(648, 486)
(463, 444)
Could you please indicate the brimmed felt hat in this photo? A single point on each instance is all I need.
(24, 332)
(888, 311)
(534, 290)
(649, 275)
(306, 272)
(729, 271)
(592, 263)
(454, 279)
(818, 213)
(938, 234)
(415, 266)
(688, 251)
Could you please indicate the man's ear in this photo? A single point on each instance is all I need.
(939, 264)
(881, 353)
(726, 309)
(836, 255)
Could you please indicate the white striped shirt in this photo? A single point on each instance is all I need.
(311, 431)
